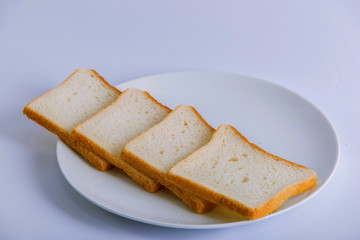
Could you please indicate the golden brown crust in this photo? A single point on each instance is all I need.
(275, 202)
(88, 143)
(225, 201)
(45, 122)
(201, 118)
(148, 183)
(197, 204)
(104, 81)
(154, 100)
(141, 165)
(231, 204)
(96, 161)
(93, 159)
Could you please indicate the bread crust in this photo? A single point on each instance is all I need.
(45, 123)
(200, 117)
(104, 81)
(93, 159)
(230, 203)
(196, 203)
(63, 135)
(149, 184)
(153, 99)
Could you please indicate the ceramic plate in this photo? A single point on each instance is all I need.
(276, 119)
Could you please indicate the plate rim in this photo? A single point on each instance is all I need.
(214, 225)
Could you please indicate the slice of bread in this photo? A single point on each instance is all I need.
(98, 162)
(106, 133)
(239, 175)
(79, 97)
(155, 151)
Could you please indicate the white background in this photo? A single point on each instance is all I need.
(310, 47)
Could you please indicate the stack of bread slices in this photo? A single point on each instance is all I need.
(157, 147)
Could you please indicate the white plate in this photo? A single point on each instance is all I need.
(271, 116)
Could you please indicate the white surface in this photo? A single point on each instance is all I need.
(290, 122)
(309, 47)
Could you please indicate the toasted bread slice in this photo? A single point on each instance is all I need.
(241, 176)
(155, 151)
(79, 97)
(106, 133)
